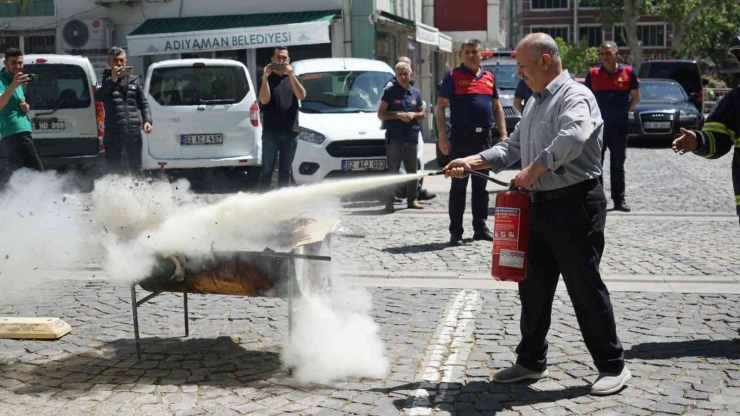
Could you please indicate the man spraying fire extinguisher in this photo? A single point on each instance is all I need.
(559, 142)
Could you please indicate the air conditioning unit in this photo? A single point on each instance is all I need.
(85, 35)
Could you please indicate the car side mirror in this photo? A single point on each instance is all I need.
(694, 97)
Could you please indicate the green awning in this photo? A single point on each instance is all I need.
(208, 33)
(398, 19)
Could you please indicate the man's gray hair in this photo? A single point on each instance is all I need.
(609, 44)
(540, 44)
(470, 42)
(404, 65)
(115, 51)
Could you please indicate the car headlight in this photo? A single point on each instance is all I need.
(631, 115)
(311, 136)
(687, 115)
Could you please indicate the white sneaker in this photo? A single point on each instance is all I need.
(609, 383)
(518, 373)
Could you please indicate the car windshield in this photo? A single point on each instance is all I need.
(505, 75)
(661, 91)
(57, 87)
(188, 85)
(343, 91)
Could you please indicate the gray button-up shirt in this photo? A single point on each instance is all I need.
(561, 128)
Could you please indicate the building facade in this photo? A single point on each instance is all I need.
(246, 30)
(573, 20)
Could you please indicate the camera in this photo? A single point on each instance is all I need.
(31, 77)
(128, 70)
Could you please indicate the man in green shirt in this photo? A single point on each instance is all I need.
(15, 126)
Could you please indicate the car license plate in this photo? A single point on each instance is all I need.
(656, 125)
(48, 125)
(188, 139)
(368, 164)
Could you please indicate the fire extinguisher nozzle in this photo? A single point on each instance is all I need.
(436, 173)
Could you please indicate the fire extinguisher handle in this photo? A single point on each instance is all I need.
(474, 173)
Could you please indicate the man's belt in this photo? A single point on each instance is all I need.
(471, 129)
(580, 187)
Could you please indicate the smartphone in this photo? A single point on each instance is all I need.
(277, 66)
(128, 70)
(31, 77)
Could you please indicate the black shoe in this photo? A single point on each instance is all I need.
(622, 206)
(425, 195)
(456, 240)
(484, 234)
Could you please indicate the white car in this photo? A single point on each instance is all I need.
(340, 131)
(205, 116)
(66, 121)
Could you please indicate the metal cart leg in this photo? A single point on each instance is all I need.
(185, 302)
(136, 320)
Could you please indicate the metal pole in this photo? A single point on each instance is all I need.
(136, 320)
(291, 273)
(185, 301)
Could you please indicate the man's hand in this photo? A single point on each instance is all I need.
(288, 69)
(456, 168)
(686, 143)
(115, 73)
(444, 143)
(525, 179)
(267, 71)
(18, 80)
(503, 136)
(405, 117)
(25, 107)
(147, 127)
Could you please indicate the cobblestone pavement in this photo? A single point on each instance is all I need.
(444, 346)
(661, 184)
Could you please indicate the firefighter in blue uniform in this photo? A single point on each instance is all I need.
(719, 134)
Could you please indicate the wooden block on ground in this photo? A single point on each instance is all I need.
(33, 328)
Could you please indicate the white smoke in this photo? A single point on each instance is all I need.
(334, 337)
(41, 228)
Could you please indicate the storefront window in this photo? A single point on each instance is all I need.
(33, 8)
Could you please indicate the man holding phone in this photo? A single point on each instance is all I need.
(15, 126)
(123, 98)
(279, 95)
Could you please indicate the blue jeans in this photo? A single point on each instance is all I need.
(283, 143)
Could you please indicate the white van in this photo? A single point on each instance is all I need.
(205, 116)
(340, 131)
(67, 123)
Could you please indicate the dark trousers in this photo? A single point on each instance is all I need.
(397, 152)
(274, 143)
(465, 143)
(114, 146)
(21, 152)
(567, 236)
(615, 139)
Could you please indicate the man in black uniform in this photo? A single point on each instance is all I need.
(470, 90)
(718, 136)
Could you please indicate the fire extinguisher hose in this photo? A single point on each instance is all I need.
(474, 173)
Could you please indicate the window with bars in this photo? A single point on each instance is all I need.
(549, 4)
(652, 36)
(30, 8)
(594, 34)
(555, 32)
(39, 44)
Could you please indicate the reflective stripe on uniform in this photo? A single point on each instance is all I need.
(711, 146)
(737, 200)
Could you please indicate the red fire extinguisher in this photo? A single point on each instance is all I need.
(511, 236)
(510, 231)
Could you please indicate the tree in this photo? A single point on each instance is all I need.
(680, 14)
(627, 12)
(710, 33)
(577, 59)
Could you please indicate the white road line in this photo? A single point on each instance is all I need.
(450, 346)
